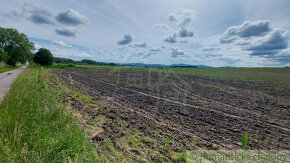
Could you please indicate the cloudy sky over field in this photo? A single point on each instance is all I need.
(209, 32)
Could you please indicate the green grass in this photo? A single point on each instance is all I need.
(264, 73)
(35, 127)
(267, 79)
(279, 76)
(7, 68)
(53, 80)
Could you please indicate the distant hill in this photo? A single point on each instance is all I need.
(187, 65)
(92, 62)
(159, 65)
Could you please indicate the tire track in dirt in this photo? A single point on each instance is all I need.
(149, 116)
(182, 123)
(188, 105)
(218, 102)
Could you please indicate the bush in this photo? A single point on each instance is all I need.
(43, 57)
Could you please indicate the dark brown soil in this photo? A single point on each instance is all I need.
(191, 111)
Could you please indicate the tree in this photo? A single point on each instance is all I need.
(14, 46)
(89, 62)
(63, 60)
(43, 57)
(3, 56)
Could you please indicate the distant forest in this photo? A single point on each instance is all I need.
(82, 62)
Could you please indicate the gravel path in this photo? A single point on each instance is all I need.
(7, 78)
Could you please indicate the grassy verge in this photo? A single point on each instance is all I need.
(35, 127)
(7, 68)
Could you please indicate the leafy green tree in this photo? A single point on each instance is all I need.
(3, 56)
(89, 62)
(43, 57)
(63, 60)
(14, 46)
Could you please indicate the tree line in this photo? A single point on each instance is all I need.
(82, 62)
(16, 47)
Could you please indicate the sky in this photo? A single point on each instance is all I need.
(241, 33)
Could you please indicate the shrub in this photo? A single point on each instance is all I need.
(43, 57)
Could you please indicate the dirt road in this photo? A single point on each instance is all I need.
(6, 79)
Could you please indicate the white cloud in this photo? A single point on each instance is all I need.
(109, 20)
(67, 32)
(139, 53)
(182, 16)
(33, 13)
(154, 50)
(183, 32)
(176, 53)
(210, 49)
(247, 29)
(71, 17)
(258, 38)
(162, 26)
(171, 38)
(172, 17)
(183, 40)
(141, 45)
(271, 43)
(61, 43)
(40, 16)
(70, 53)
(185, 22)
(186, 17)
(178, 37)
(37, 47)
(127, 38)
